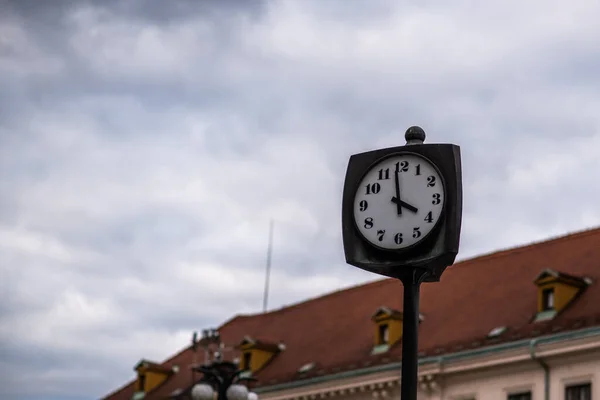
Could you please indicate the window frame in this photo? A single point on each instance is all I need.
(384, 334)
(548, 299)
(142, 382)
(579, 387)
(247, 359)
(520, 395)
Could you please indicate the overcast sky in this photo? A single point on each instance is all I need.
(144, 146)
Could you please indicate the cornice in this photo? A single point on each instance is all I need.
(378, 387)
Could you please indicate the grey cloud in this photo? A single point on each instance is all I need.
(152, 12)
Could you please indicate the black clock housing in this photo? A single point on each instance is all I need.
(436, 252)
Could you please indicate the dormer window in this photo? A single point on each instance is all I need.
(384, 334)
(150, 375)
(388, 329)
(548, 299)
(556, 290)
(257, 353)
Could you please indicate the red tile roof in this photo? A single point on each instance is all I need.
(474, 296)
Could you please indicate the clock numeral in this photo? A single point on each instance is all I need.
(431, 181)
(380, 234)
(363, 205)
(368, 223)
(429, 217)
(402, 166)
(373, 188)
(418, 169)
(416, 232)
(384, 174)
(398, 238)
(436, 199)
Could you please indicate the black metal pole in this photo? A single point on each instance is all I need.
(410, 339)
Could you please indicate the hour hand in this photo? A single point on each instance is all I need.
(404, 204)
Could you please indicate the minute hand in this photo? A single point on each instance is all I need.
(398, 205)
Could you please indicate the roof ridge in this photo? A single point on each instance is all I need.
(338, 292)
(520, 248)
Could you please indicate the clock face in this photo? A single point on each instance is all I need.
(399, 201)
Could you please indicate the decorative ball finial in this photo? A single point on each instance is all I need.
(414, 135)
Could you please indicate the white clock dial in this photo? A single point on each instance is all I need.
(399, 201)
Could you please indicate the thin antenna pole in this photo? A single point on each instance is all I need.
(268, 272)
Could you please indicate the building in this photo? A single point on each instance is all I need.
(517, 324)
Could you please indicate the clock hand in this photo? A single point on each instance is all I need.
(398, 205)
(404, 204)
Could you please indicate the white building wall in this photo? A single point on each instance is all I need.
(495, 384)
(498, 383)
(575, 370)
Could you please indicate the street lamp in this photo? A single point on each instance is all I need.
(221, 381)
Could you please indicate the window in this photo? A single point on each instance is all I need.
(520, 396)
(247, 359)
(142, 383)
(548, 299)
(384, 334)
(579, 392)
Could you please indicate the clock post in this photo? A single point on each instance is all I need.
(401, 218)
